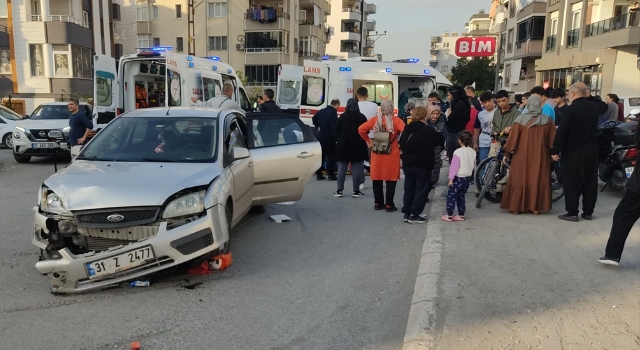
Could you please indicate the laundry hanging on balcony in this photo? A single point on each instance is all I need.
(264, 14)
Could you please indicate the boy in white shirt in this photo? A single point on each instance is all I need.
(483, 125)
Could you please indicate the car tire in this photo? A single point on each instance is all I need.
(258, 209)
(7, 140)
(21, 159)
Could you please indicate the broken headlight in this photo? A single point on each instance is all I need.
(192, 203)
(50, 202)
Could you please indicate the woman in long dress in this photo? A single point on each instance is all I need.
(384, 167)
(529, 147)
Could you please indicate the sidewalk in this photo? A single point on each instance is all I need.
(504, 281)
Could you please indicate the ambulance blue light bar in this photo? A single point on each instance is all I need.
(426, 71)
(388, 70)
(215, 68)
(229, 71)
(414, 60)
(155, 48)
(345, 69)
(213, 58)
(191, 64)
(189, 58)
(325, 58)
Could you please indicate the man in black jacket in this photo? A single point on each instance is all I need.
(576, 142)
(626, 215)
(325, 125)
(269, 105)
(418, 142)
(458, 116)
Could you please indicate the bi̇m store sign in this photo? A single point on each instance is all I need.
(476, 47)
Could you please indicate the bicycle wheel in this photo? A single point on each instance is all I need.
(480, 170)
(557, 191)
(488, 180)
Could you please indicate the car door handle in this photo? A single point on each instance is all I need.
(305, 155)
(250, 164)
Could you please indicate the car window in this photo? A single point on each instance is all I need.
(155, 139)
(9, 114)
(51, 112)
(245, 104)
(274, 131)
(236, 138)
(2, 121)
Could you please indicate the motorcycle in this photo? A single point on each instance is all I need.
(616, 153)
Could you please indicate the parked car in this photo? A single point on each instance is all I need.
(40, 135)
(8, 121)
(160, 187)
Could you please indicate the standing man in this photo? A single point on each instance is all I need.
(483, 126)
(269, 105)
(370, 110)
(434, 99)
(626, 215)
(558, 97)
(471, 92)
(79, 124)
(546, 108)
(577, 144)
(223, 101)
(505, 115)
(325, 123)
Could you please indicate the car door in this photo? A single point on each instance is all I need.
(241, 169)
(289, 95)
(285, 155)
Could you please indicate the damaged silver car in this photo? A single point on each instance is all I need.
(160, 187)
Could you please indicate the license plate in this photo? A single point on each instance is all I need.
(629, 171)
(120, 262)
(44, 145)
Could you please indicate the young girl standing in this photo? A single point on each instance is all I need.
(462, 164)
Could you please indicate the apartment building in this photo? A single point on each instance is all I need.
(591, 41)
(352, 29)
(46, 48)
(522, 24)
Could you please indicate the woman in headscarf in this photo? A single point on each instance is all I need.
(529, 147)
(408, 108)
(350, 148)
(457, 117)
(436, 120)
(384, 167)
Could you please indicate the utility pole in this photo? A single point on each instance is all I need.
(496, 82)
(191, 25)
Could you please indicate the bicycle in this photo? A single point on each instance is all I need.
(490, 172)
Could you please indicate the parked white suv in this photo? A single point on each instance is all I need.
(42, 134)
(8, 121)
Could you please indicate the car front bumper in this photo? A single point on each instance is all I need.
(23, 147)
(69, 274)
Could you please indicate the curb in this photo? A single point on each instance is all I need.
(420, 333)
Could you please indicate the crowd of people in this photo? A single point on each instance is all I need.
(543, 127)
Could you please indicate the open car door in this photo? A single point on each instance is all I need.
(105, 87)
(285, 155)
(289, 86)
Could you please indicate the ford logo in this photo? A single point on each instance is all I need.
(115, 218)
(42, 134)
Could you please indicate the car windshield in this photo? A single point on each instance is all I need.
(51, 112)
(155, 139)
(9, 114)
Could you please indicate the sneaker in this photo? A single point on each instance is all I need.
(357, 194)
(390, 209)
(338, 194)
(362, 187)
(447, 218)
(609, 261)
(568, 218)
(320, 177)
(406, 217)
(417, 220)
(586, 217)
(424, 216)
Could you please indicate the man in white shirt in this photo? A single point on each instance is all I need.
(483, 125)
(370, 110)
(223, 101)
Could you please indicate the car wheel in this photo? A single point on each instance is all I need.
(7, 140)
(258, 209)
(21, 159)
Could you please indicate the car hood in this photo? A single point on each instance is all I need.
(44, 123)
(95, 185)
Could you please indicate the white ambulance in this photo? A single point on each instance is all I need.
(312, 87)
(157, 77)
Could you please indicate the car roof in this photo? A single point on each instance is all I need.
(176, 112)
(61, 104)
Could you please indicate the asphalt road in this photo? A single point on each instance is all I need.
(338, 276)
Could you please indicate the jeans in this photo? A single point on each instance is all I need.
(357, 175)
(452, 144)
(417, 185)
(456, 194)
(378, 193)
(625, 216)
(483, 153)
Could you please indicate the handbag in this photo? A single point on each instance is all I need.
(381, 142)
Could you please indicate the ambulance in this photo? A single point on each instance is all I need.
(157, 77)
(312, 87)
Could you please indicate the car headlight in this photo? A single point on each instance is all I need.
(16, 135)
(190, 204)
(20, 128)
(51, 202)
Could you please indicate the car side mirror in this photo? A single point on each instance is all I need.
(240, 153)
(26, 116)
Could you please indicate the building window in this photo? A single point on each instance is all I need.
(3, 8)
(261, 75)
(532, 28)
(266, 41)
(61, 61)
(217, 43)
(156, 42)
(510, 41)
(178, 11)
(445, 45)
(217, 9)
(445, 56)
(506, 81)
(512, 8)
(553, 29)
(155, 12)
(143, 40)
(179, 43)
(445, 68)
(85, 18)
(81, 58)
(142, 11)
(575, 23)
(5, 60)
(37, 63)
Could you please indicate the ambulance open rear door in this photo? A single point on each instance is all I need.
(105, 87)
(289, 88)
(315, 89)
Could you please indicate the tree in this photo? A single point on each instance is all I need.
(479, 70)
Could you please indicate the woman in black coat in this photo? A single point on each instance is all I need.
(457, 117)
(350, 148)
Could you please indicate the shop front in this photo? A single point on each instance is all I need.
(563, 78)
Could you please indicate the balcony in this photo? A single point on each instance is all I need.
(553, 2)
(265, 56)
(143, 27)
(59, 18)
(310, 55)
(350, 49)
(532, 49)
(350, 35)
(323, 4)
(371, 44)
(524, 85)
(551, 44)
(370, 26)
(573, 37)
(433, 63)
(436, 39)
(434, 51)
(532, 7)
(312, 30)
(282, 22)
(617, 31)
(351, 14)
(370, 9)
